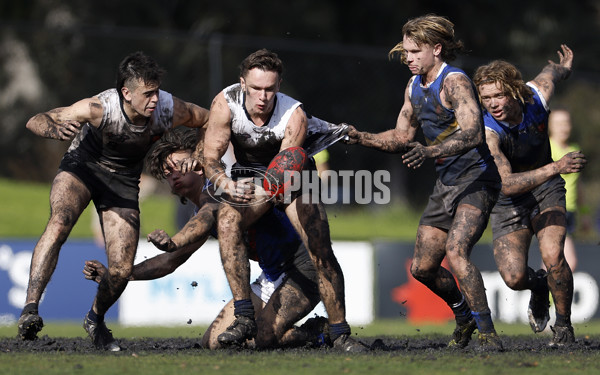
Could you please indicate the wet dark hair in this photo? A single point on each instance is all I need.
(138, 66)
(176, 139)
(264, 60)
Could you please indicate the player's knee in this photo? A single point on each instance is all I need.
(515, 280)
(120, 272)
(228, 221)
(62, 221)
(421, 273)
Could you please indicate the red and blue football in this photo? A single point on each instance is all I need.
(277, 181)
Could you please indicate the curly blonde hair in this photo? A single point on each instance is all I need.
(430, 29)
(507, 76)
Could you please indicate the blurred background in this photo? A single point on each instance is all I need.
(53, 53)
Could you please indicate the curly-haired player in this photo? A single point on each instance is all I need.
(532, 200)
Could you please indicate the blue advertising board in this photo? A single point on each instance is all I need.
(68, 296)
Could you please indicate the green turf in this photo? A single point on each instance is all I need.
(26, 211)
(426, 362)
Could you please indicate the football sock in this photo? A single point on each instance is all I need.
(484, 321)
(563, 320)
(536, 283)
(243, 307)
(338, 329)
(95, 317)
(462, 311)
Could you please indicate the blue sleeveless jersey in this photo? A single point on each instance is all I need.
(272, 242)
(526, 145)
(438, 124)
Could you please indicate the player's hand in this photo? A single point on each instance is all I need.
(415, 156)
(352, 136)
(189, 165)
(242, 190)
(162, 240)
(67, 130)
(94, 270)
(573, 162)
(565, 60)
(566, 57)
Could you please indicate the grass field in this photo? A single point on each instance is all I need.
(427, 361)
(26, 209)
(24, 214)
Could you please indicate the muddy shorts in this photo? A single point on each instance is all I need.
(301, 274)
(108, 189)
(445, 199)
(516, 213)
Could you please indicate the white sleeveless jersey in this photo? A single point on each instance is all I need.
(257, 145)
(116, 144)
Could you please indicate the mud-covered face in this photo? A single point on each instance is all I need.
(140, 98)
(501, 106)
(260, 87)
(420, 59)
(181, 184)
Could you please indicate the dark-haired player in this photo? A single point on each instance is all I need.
(111, 133)
(260, 122)
(284, 293)
(441, 100)
(532, 200)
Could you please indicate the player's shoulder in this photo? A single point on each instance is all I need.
(493, 125)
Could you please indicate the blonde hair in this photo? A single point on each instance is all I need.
(430, 29)
(507, 76)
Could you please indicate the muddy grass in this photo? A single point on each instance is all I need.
(412, 345)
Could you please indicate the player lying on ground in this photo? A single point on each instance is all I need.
(284, 293)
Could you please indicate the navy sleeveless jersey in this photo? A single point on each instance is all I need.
(525, 145)
(438, 124)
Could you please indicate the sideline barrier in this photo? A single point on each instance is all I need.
(377, 279)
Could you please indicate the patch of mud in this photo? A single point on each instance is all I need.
(412, 345)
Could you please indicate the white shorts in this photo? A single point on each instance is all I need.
(264, 288)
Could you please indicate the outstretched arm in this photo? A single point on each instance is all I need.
(65, 122)
(195, 231)
(178, 249)
(394, 140)
(519, 183)
(553, 72)
(150, 269)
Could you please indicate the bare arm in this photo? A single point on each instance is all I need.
(197, 229)
(65, 122)
(519, 183)
(296, 130)
(189, 114)
(393, 140)
(150, 269)
(553, 73)
(216, 140)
